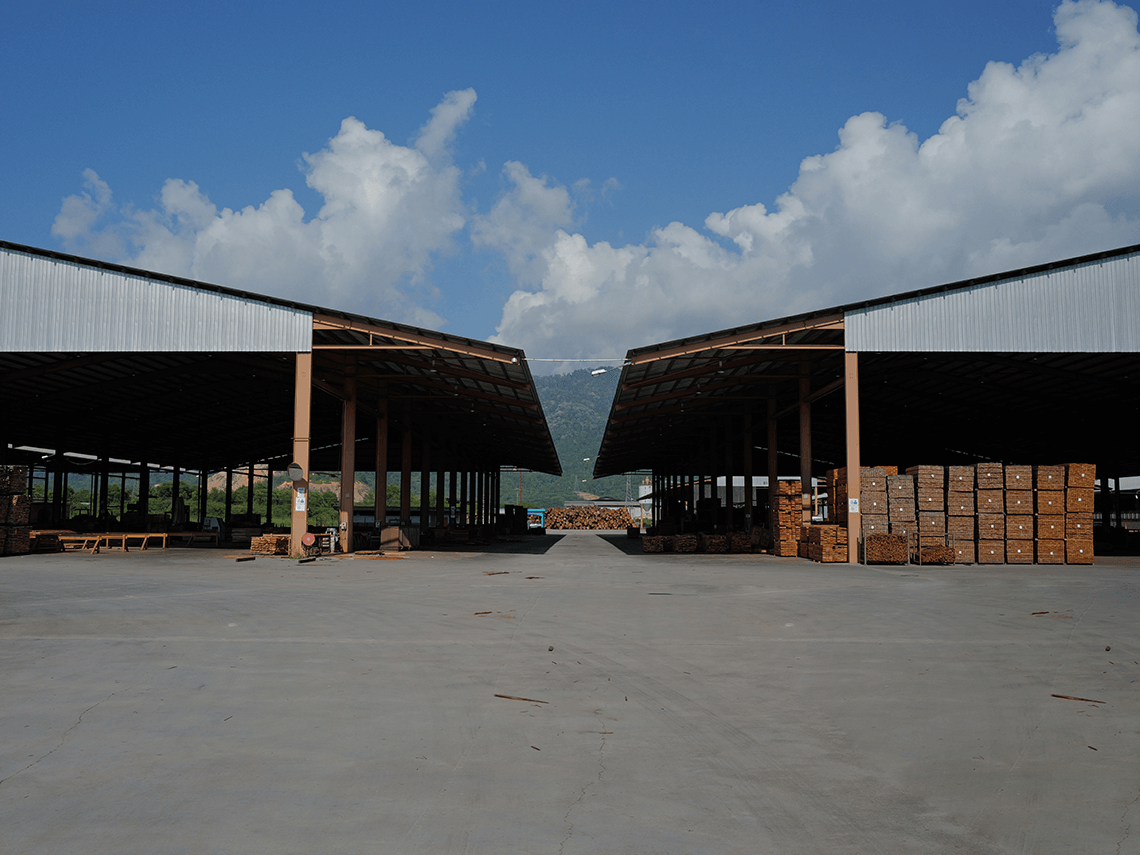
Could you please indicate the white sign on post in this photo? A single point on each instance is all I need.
(300, 503)
(852, 506)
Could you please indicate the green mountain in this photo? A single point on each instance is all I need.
(576, 406)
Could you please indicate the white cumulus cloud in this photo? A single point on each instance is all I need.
(387, 209)
(1040, 162)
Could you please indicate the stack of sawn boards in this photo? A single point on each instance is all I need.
(15, 509)
(989, 513)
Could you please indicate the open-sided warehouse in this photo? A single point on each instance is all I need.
(1031, 367)
(123, 368)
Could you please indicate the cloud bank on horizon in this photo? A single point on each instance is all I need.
(1040, 162)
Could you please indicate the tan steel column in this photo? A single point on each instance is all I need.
(302, 397)
(425, 482)
(380, 496)
(747, 464)
(851, 392)
(773, 467)
(348, 454)
(464, 510)
(805, 441)
(439, 492)
(406, 472)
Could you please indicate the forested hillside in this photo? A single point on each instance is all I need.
(576, 406)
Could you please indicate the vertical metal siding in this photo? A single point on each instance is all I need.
(59, 306)
(1087, 308)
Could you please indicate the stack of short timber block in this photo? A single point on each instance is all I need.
(1079, 481)
(15, 510)
(932, 545)
(961, 533)
(270, 544)
(789, 518)
(827, 543)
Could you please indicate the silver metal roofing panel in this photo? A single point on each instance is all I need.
(1092, 307)
(54, 305)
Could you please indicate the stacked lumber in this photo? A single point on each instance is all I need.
(828, 544)
(270, 544)
(15, 510)
(873, 504)
(989, 502)
(885, 548)
(654, 543)
(789, 518)
(714, 544)
(837, 494)
(588, 519)
(740, 541)
(1079, 481)
(961, 530)
(686, 542)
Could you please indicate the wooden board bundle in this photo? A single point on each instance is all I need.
(990, 501)
(989, 476)
(960, 504)
(1019, 501)
(19, 509)
(1049, 501)
(1050, 527)
(1050, 552)
(686, 543)
(789, 518)
(827, 544)
(1049, 477)
(714, 544)
(885, 549)
(1019, 528)
(1018, 477)
(740, 541)
(991, 552)
(13, 479)
(588, 519)
(1080, 475)
(1019, 552)
(961, 528)
(991, 526)
(1079, 551)
(931, 524)
(1079, 527)
(653, 543)
(960, 479)
(270, 544)
(1078, 500)
(965, 551)
(15, 510)
(874, 524)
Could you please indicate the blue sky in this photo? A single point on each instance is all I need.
(592, 177)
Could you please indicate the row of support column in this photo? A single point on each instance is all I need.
(474, 491)
(674, 492)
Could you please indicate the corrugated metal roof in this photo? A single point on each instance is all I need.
(1084, 307)
(55, 304)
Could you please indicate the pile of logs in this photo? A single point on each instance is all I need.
(270, 544)
(15, 510)
(588, 519)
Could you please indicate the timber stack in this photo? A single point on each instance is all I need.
(789, 518)
(270, 544)
(15, 511)
(828, 544)
(588, 519)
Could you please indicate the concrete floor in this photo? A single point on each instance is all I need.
(180, 702)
